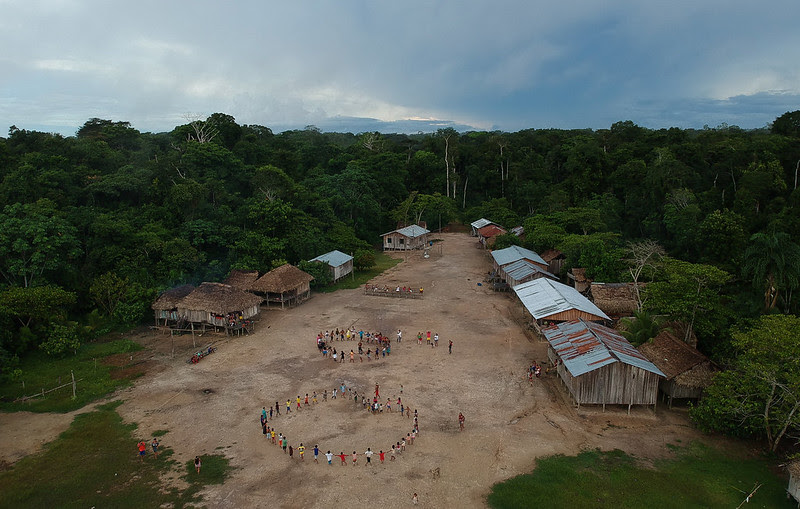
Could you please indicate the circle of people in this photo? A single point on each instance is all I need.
(373, 405)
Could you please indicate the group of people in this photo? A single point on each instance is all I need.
(142, 448)
(535, 370)
(382, 344)
(343, 392)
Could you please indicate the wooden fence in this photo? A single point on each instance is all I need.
(73, 383)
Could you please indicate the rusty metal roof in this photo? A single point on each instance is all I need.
(586, 346)
(544, 297)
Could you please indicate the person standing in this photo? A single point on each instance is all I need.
(302, 451)
(343, 457)
(382, 456)
(142, 446)
(368, 455)
(414, 498)
(329, 457)
(436, 339)
(291, 452)
(197, 464)
(270, 413)
(288, 406)
(264, 413)
(450, 347)
(298, 401)
(355, 458)
(316, 453)
(377, 391)
(263, 424)
(461, 420)
(428, 338)
(399, 335)
(155, 445)
(277, 408)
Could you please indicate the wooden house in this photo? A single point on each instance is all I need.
(340, 264)
(487, 234)
(286, 285)
(579, 279)
(522, 271)
(511, 254)
(480, 223)
(241, 279)
(407, 238)
(687, 371)
(555, 260)
(600, 367)
(166, 305)
(548, 301)
(216, 304)
(617, 300)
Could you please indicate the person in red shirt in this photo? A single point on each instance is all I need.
(382, 456)
(142, 450)
(343, 457)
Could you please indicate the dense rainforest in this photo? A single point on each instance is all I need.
(94, 225)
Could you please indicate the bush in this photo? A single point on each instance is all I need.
(61, 339)
(364, 259)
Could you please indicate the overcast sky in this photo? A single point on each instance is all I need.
(400, 66)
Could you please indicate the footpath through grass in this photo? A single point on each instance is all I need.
(42, 372)
(382, 262)
(699, 476)
(94, 464)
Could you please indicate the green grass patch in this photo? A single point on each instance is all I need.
(95, 464)
(382, 262)
(40, 371)
(698, 476)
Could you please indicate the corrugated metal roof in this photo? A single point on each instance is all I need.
(412, 231)
(334, 258)
(480, 223)
(586, 346)
(521, 269)
(513, 253)
(491, 230)
(544, 297)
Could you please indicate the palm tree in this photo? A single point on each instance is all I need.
(642, 327)
(772, 262)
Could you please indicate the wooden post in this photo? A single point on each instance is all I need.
(74, 387)
(193, 343)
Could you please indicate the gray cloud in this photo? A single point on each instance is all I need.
(355, 65)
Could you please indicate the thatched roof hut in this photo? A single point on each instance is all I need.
(241, 279)
(554, 259)
(616, 299)
(287, 284)
(166, 305)
(211, 302)
(688, 372)
(579, 279)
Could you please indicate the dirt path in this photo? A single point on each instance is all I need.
(214, 406)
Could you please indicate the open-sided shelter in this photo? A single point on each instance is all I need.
(550, 301)
(687, 371)
(402, 239)
(241, 279)
(166, 305)
(600, 367)
(219, 305)
(286, 285)
(340, 264)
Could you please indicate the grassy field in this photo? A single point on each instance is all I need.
(94, 464)
(382, 262)
(698, 476)
(42, 372)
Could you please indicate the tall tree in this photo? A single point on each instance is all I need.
(772, 263)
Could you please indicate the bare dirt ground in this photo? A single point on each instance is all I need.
(214, 406)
